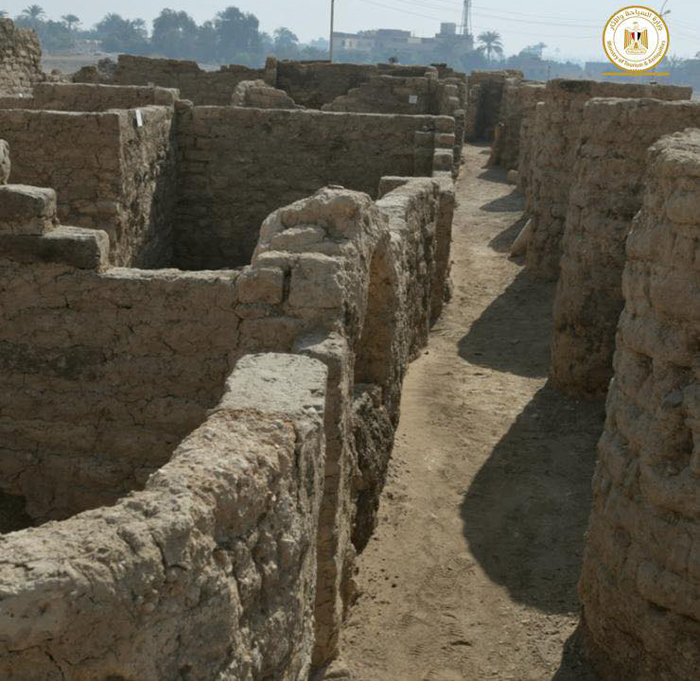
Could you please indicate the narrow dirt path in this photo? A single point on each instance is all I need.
(472, 571)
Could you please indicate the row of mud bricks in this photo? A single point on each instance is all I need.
(611, 175)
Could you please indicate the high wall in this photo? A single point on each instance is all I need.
(555, 140)
(199, 86)
(641, 570)
(517, 111)
(238, 165)
(485, 94)
(209, 572)
(104, 369)
(109, 173)
(20, 59)
(606, 192)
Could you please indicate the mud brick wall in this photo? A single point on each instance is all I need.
(109, 174)
(199, 86)
(485, 93)
(103, 374)
(87, 97)
(20, 59)
(238, 165)
(335, 277)
(390, 94)
(529, 143)
(606, 194)
(313, 84)
(641, 571)
(517, 109)
(556, 138)
(209, 572)
(259, 95)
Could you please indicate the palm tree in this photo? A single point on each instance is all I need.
(34, 12)
(71, 20)
(490, 42)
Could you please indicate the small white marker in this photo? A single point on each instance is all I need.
(139, 119)
(413, 99)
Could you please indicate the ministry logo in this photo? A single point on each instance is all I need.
(636, 39)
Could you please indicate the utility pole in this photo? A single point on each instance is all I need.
(332, 27)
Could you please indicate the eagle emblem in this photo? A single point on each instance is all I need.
(636, 40)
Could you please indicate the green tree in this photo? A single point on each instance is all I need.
(174, 34)
(238, 36)
(70, 20)
(122, 35)
(490, 43)
(286, 44)
(34, 12)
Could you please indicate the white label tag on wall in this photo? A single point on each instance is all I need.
(139, 119)
(413, 99)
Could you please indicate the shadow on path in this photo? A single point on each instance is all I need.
(511, 203)
(502, 242)
(525, 514)
(512, 334)
(574, 665)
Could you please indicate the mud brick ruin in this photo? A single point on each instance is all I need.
(209, 312)
(212, 285)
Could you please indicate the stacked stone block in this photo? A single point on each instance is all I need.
(640, 583)
(20, 59)
(606, 193)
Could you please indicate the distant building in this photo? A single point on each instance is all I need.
(388, 39)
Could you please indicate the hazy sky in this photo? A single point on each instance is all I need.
(569, 28)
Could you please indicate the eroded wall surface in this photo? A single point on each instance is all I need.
(88, 97)
(238, 165)
(122, 361)
(641, 571)
(209, 572)
(485, 94)
(202, 87)
(555, 141)
(517, 111)
(20, 59)
(109, 173)
(606, 193)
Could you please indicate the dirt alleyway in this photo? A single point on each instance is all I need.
(472, 571)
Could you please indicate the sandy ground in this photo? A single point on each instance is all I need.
(472, 571)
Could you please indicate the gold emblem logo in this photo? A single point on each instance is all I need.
(636, 39)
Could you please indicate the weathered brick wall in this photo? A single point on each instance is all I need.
(100, 366)
(20, 59)
(556, 137)
(209, 572)
(87, 97)
(641, 570)
(606, 193)
(259, 95)
(313, 84)
(102, 373)
(109, 174)
(199, 86)
(485, 92)
(390, 94)
(517, 110)
(238, 165)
